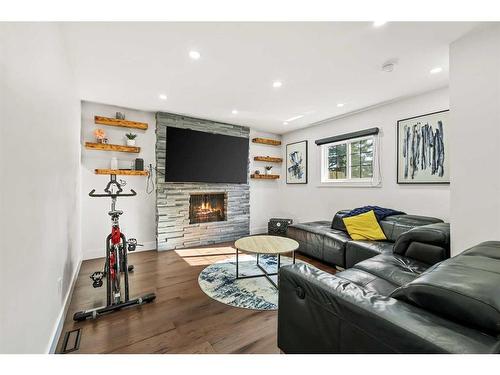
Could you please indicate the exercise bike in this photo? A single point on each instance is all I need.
(116, 264)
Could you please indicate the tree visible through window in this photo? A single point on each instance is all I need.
(337, 161)
(348, 160)
(362, 159)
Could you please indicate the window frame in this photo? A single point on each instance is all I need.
(367, 181)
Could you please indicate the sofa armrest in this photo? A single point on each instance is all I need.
(428, 243)
(323, 313)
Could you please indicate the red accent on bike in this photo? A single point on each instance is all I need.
(115, 235)
(112, 262)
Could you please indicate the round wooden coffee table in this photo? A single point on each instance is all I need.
(265, 245)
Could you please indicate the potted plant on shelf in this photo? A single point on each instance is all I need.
(131, 139)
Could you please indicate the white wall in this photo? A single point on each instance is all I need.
(139, 218)
(264, 194)
(311, 202)
(475, 116)
(40, 179)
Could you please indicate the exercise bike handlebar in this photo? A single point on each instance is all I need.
(112, 195)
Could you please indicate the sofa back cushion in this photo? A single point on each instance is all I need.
(464, 289)
(338, 222)
(428, 243)
(396, 225)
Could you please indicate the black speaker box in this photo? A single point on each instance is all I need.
(139, 164)
(278, 226)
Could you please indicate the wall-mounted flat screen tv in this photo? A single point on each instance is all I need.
(194, 156)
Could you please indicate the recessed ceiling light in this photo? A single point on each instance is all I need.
(277, 84)
(195, 55)
(340, 105)
(234, 111)
(379, 23)
(163, 97)
(294, 118)
(436, 70)
(285, 123)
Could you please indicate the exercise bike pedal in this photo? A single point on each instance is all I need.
(132, 244)
(97, 279)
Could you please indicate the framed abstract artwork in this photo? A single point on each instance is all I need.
(423, 149)
(296, 163)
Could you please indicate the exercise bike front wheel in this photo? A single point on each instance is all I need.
(80, 316)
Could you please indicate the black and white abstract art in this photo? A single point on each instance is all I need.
(296, 163)
(423, 156)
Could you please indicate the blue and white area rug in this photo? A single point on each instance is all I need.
(218, 282)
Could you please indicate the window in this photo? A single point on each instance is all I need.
(347, 161)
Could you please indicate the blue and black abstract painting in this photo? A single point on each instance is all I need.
(296, 163)
(423, 157)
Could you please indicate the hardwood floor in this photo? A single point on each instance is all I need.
(182, 319)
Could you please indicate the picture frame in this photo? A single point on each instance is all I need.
(423, 149)
(296, 163)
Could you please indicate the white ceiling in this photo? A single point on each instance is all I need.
(320, 65)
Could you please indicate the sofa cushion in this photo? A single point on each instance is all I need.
(357, 251)
(396, 225)
(384, 273)
(368, 281)
(464, 288)
(394, 268)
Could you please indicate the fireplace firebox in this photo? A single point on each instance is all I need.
(207, 207)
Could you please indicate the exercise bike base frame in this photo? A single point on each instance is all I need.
(95, 313)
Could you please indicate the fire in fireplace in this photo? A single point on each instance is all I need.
(207, 207)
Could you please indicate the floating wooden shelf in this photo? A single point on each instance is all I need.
(265, 176)
(108, 147)
(127, 172)
(269, 159)
(266, 141)
(120, 123)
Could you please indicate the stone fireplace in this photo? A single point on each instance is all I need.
(207, 207)
(194, 214)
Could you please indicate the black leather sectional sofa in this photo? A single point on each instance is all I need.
(330, 242)
(394, 303)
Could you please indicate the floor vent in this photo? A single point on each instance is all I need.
(73, 339)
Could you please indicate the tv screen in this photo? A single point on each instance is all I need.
(194, 156)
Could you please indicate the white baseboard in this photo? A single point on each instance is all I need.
(101, 253)
(56, 333)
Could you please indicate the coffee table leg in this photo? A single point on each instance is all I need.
(237, 263)
(293, 257)
(258, 258)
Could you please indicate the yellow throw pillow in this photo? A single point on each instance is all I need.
(364, 227)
